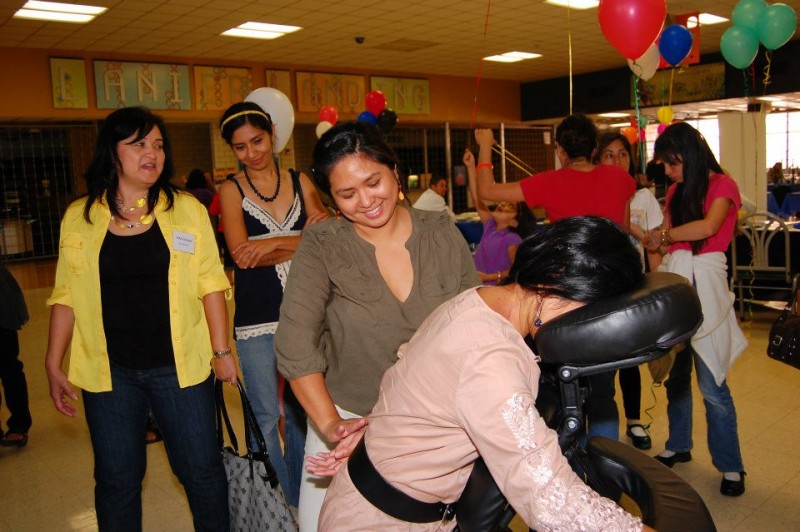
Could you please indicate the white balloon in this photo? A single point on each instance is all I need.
(645, 67)
(322, 127)
(280, 109)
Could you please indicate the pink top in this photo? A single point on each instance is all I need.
(465, 384)
(603, 191)
(719, 186)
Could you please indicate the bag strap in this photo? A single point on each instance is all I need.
(222, 414)
(252, 432)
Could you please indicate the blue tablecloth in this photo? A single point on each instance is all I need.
(790, 205)
(772, 204)
(472, 231)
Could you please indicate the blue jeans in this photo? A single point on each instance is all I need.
(117, 421)
(260, 371)
(602, 413)
(15, 387)
(723, 436)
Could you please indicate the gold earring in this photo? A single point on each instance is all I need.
(400, 195)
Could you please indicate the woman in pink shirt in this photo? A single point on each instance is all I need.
(701, 213)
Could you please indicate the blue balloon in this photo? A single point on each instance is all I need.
(368, 118)
(675, 43)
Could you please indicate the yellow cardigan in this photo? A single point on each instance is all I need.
(192, 275)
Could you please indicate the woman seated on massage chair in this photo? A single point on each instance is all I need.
(465, 385)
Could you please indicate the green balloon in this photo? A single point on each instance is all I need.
(739, 46)
(746, 13)
(776, 25)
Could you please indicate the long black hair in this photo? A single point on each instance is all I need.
(102, 175)
(350, 138)
(583, 258)
(681, 143)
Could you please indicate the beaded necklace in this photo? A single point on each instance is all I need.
(138, 204)
(145, 219)
(257, 193)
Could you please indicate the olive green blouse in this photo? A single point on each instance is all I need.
(338, 315)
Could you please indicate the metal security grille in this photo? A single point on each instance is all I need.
(429, 150)
(40, 169)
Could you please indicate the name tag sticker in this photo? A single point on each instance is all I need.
(183, 242)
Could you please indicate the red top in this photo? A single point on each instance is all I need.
(603, 191)
(215, 209)
(719, 186)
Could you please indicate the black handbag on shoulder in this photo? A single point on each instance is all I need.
(784, 336)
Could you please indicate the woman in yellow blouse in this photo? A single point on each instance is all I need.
(139, 297)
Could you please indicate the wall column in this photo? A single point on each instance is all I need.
(743, 153)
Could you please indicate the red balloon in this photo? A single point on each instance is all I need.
(376, 102)
(631, 26)
(328, 113)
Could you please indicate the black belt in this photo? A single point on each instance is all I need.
(389, 499)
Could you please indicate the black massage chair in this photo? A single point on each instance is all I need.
(616, 333)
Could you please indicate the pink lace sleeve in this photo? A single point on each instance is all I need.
(496, 401)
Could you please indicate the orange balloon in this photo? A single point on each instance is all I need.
(630, 133)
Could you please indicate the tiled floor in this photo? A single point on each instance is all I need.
(48, 484)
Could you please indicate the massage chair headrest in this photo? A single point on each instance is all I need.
(662, 312)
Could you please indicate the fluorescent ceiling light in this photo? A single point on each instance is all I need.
(52, 16)
(260, 30)
(574, 4)
(512, 57)
(64, 8)
(57, 12)
(620, 124)
(613, 115)
(706, 19)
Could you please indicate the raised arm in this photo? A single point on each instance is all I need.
(472, 183)
(488, 190)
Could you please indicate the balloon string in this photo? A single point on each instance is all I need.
(636, 101)
(767, 80)
(569, 41)
(513, 159)
(516, 160)
(746, 81)
(671, 79)
(478, 78)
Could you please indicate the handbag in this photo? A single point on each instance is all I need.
(660, 367)
(255, 500)
(784, 336)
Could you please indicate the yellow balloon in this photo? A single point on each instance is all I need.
(665, 115)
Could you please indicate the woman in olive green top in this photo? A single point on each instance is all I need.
(359, 287)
